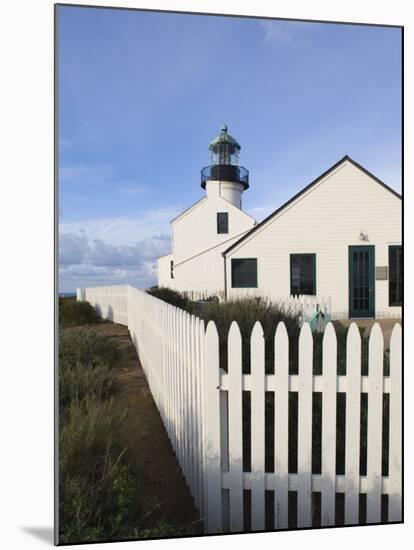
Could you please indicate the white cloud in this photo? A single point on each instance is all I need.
(72, 248)
(113, 250)
(88, 263)
(78, 175)
(85, 174)
(275, 33)
(131, 189)
(124, 230)
(76, 276)
(279, 33)
(261, 212)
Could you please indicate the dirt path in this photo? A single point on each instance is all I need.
(143, 434)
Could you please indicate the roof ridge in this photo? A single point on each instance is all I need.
(307, 188)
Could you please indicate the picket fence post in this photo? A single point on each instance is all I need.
(352, 424)
(234, 366)
(211, 435)
(395, 447)
(329, 393)
(257, 362)
(200, 335)
(374, 439)
(304, 492)
(281, 452)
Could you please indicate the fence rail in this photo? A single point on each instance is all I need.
(203, 407)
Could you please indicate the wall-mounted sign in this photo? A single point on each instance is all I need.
(381, 272)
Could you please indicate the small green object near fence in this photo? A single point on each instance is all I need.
(318, 321)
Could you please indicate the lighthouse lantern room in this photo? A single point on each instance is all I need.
(225, 170)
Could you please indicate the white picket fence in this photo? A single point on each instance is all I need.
(110, 302)
(201, 407)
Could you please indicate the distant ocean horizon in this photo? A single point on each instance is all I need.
(67, 294)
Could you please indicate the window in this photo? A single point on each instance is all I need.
(302, 274)
(244, 273)
(395, 269)
(172, 269)
(222, 222)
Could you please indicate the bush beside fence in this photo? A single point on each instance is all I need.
(202, 409)
(305, 305)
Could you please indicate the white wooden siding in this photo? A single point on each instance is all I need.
(204, 271)
(196, 230)
(326, 220)
(164, 271)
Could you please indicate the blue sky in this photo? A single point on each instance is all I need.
(141, 95)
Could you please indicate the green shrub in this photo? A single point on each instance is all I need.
(246, 312)
(85, 346)
(79, 380)
(98, 499)
(73, 313)
(87, 434)
(170, 296)
(98, 492)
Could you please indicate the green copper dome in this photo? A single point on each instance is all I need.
(222, 138)
(225, 163)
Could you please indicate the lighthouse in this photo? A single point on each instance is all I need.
(203, 231)
(225, 176)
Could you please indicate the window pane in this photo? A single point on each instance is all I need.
(222, 222)
(395, 269)
(302, 274)
(244, 273)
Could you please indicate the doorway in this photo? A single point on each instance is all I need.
(362, 281)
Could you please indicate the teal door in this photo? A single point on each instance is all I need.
(362, 281)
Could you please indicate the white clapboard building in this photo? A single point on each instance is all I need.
(340, 237)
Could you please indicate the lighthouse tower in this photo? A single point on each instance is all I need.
(225, 176)
(201, 233)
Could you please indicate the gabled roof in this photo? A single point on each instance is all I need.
(164, 255)
(237, 208)
(307, 188)
(200, 201)
(197, 203)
